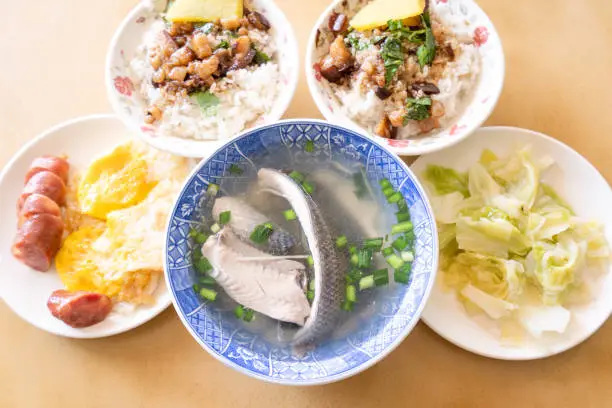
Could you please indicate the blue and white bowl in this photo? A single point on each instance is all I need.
(375, 332)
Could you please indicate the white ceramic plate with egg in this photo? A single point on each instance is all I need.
(587, 192)
(25, 290)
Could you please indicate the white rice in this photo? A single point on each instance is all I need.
(456, 84)
(245, 95)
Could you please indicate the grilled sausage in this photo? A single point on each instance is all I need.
(57, 165)
(39, 222)
(44, 183)
(38, 240)
(38, 204)
(79, 309)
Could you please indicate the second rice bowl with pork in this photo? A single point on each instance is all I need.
(419, 77)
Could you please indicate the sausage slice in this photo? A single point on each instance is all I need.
(79, 309)
(38, 240)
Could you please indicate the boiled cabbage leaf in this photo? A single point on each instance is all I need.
(490, 231)
(446, 181)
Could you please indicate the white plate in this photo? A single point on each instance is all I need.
(577, 181)
(25, 290)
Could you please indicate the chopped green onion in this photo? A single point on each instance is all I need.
(196, 288)
(388, 191)
(235, 170)
(387, 251)
(407, 256)
(364, 258)
(239, 312)
(375, 244)
(212, 189)
(215, 228)
(395, 197)
(261, 233)
(352, 250)
(310, 261)
(311, 284)
(402, 275)
(290, 215)
(351, 293)
(401, 227)
(402, 216)
(400, 243)
(341, 241)
(310, 295)
(366, 282)
(225, 217)
(347, 306)
(309, 146)
(395, 261)
(355, 259)
(207, 280)
(384, 183)
(196, 254)
(297, 176)
(249, 314)
(209, 294)
(353, 276)
(308, 187)
(198, 237)
(202, 265)
(381, 277)
(410, 237)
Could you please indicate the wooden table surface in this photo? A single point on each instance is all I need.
(559, 60)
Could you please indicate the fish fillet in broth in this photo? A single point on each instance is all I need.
(271, 286)
(243, 220)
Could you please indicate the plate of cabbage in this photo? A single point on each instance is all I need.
(524, 225)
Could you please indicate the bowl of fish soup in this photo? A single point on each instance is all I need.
(319, 189)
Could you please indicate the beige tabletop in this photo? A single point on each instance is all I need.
(559, 65)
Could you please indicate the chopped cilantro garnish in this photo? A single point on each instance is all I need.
(261, 57)
(418, 109)
(392, 56)
(397, 30)
(427, 51)
(205, 99)
(356, 44)
(223, 44)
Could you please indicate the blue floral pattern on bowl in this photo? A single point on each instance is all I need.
(230, 340)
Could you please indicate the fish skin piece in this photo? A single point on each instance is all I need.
(243, 220)
(329, 267)
(271, 287)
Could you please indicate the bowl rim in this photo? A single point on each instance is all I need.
(406, 150)
(204, 147)
(368, 363)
